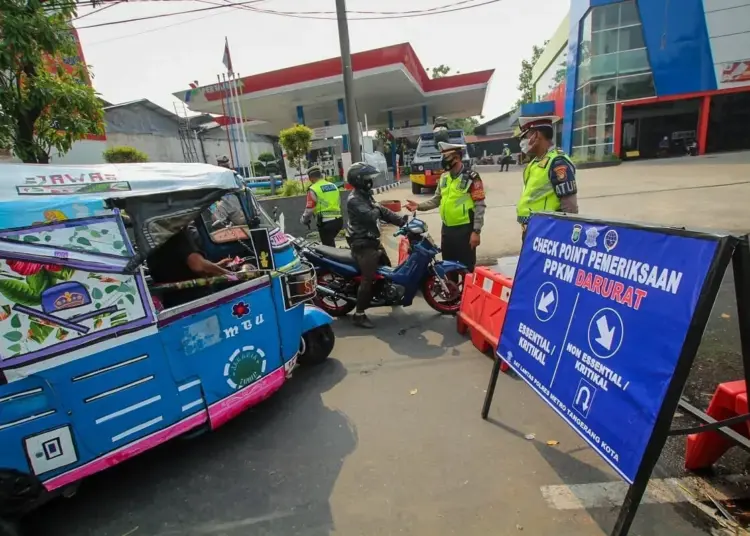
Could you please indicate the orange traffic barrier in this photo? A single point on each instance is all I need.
(403, 249)
(705, 448)
(484, 305)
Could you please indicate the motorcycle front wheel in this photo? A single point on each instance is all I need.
(444, 302)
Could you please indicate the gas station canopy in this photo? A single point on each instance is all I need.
(390, 79)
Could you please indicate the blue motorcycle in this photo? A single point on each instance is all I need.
(441, 282)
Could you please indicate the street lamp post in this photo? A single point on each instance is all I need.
(352, 120)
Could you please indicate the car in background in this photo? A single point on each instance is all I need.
(426, 166)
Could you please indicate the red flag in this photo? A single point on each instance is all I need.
(227, 59)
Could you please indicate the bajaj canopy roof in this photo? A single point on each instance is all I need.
(110, 181)
(160, 198)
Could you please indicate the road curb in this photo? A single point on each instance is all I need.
(385, 188)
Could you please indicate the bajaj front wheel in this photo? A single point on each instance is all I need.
(316, 345)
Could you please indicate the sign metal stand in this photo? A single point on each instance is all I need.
(729, 248)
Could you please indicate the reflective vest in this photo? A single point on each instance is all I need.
(538, 193)
(506, 151)
(328, 205)
(455, 200)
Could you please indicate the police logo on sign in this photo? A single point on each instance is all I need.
(591, 235)
(576, 233)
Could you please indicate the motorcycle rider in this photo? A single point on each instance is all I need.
(363, 233)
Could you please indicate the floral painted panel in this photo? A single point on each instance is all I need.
(97, 235)
(47, 308)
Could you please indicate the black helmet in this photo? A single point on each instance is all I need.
(361, 175)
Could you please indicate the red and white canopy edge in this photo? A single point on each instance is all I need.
(385, 79)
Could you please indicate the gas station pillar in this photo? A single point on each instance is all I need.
(342, 121)
(424, 114)
(300, 115)
(393, 145)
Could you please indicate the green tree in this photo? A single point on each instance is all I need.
(441, 71)
(297, 142)
(467, 124)
(46, 101)
(525, 80)
(124, 155)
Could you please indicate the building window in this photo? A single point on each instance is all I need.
(612, 67)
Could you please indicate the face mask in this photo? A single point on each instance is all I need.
(446, 163)
(524, 146)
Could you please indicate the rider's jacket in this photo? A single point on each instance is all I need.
(364, 214)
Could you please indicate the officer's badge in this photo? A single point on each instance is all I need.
(591, 235)
(576, 233)
(543, 162)
(561, 172)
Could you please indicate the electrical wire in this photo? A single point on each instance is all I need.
(163, 15)
(157, 29)
(459, 6)
(98, 10)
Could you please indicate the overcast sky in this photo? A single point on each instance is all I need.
(154, 58)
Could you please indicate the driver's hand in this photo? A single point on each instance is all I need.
(411, 206)
(224, 262)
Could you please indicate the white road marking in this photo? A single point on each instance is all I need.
(660, 491)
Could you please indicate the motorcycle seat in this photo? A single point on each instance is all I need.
(341, 255)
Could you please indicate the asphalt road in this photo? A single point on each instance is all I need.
(385, 438)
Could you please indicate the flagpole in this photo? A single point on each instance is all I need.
(248, 151)
(224, 113)
(234, 113)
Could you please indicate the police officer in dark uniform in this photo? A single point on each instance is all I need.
(460, 196)
(363, 233)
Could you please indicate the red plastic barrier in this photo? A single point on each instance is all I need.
(705, 448)
(484, 305)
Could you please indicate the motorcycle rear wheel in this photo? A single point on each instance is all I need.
(435, 297)
(332, 306)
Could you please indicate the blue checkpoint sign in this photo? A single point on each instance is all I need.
(597, 321)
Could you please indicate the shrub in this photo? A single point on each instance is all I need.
(124, 155)
(267, 157)
(290, 188)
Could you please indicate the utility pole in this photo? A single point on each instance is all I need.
(352, 122)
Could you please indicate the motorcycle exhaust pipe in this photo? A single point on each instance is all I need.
(325, 291)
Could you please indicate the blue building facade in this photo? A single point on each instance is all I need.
(622, 54)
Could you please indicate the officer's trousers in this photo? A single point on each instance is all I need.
(456, 246)
(329, 230)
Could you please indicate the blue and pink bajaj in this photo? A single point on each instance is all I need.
(92, 372)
